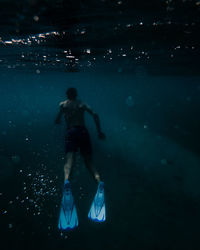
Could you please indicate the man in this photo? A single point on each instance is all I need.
(77, 136)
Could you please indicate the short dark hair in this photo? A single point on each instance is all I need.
(71, 93)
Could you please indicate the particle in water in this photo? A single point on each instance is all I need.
(188, 99)
(164, 162)
(15, 159)
(83, 32)
(4, 133)
(10, 226)
(38, 71)
(29, 123)
(124, 128)
(36, 18)
(25, 113)
(129, 101)
(120, 70)
(176, 126)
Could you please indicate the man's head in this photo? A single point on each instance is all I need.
(71, 93)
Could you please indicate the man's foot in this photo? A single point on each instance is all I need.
(67, 185)
(97, 178)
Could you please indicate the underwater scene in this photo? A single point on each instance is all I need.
(99, 124)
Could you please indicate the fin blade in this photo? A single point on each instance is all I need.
(100, 217)
(98, 210)
(68, 218)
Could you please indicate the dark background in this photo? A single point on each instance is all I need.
(112, 52)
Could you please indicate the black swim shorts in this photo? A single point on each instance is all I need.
(77, 137)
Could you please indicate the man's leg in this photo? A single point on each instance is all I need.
(88, 163)
(70, 158)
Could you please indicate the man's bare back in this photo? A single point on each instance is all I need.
(73, 111)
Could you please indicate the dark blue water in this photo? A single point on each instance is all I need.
(145, 87)
(149, 160)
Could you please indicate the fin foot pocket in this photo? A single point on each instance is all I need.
(97, 211)
(68, 218)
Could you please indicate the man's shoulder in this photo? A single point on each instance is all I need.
(87, 108)
(63, 103)
(81, 104)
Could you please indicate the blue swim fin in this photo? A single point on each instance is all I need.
(98, 211)
(68, 218)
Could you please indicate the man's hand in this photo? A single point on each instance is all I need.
(101, 136)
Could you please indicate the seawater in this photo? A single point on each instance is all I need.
(149, 160)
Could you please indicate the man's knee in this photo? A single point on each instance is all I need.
(69, 160)
(67, 166)
(70, 155)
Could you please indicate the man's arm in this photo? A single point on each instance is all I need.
(96, 120)
(59, 115)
